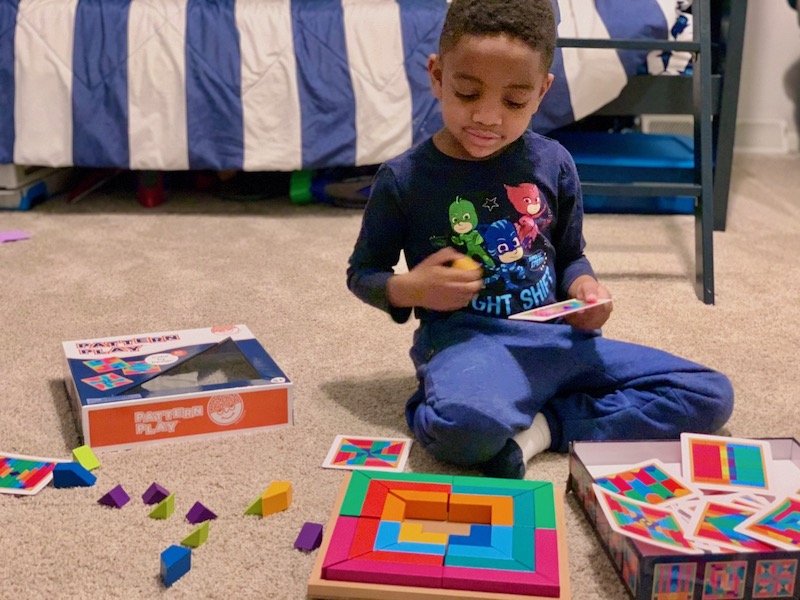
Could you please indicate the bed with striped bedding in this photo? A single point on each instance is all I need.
(260, 85)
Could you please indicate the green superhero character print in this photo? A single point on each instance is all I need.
(464, 223)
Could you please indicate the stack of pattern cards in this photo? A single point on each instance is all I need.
(727, 498)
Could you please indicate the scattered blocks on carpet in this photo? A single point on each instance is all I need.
(72, 474)
(117, 497)
(309, 538)
(86, 457)
(276, 498)
(164, 509)
(175, 563)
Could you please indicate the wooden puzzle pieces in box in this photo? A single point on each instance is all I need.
(152, 387)
(410, 535)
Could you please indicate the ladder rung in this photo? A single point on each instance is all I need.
(641, 189)
(628, 44)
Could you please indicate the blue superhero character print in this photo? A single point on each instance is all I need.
(503, 244)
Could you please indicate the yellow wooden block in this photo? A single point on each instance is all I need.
(86, 457)
(394, 509)
(278, 497)
(424, 504)
(412, 532)
(476, 508)
(466, 263)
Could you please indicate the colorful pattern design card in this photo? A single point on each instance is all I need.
(722, 463)
(104, 365)
(715, 522)
(25, 475)
(107, 381)
(353, 452)
(641, 521)
(648, 482)
(778, 524)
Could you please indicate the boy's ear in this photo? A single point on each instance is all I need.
(435, 73)
(548, 81)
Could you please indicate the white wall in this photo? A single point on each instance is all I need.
(769, 95)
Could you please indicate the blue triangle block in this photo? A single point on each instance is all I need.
(72, 474)
(175, 563)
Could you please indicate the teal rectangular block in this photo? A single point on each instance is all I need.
(544, 508)
(524, 510)
(524, 546)
(484, 563)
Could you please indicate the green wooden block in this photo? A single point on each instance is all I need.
(524, 546)
(544, 508)
(512, 485)
(415, 477)
(86, 457)
(356, 492)
(524, 510)
(197, 537)
(164, 509)
(255, 507)
(484, 563)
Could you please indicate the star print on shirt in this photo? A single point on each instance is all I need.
(490, 204)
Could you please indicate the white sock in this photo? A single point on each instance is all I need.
(534, 440)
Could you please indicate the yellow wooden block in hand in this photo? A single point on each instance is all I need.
(465, 263)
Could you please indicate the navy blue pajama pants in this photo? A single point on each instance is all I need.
(483, 379)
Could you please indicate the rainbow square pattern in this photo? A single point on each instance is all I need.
(354, 452)
(451, 532)
(674, 581)
(107, 381)
(104, 365)
(725, 580)
(775, 579)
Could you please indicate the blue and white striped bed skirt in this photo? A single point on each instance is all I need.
(260, 85)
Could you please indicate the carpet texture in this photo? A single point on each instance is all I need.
(106, 266)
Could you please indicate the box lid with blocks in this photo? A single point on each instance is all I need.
(151, 387)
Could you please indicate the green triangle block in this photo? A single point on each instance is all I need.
(198, 537)
(254, 508)
(86, 457)
(164, 509)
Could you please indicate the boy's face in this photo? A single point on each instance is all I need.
(489, 87)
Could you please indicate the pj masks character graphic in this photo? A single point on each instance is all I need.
(527, 201)
(464, 223)
(503, 243)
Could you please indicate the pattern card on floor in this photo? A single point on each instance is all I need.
(354, 452)
(25, 475)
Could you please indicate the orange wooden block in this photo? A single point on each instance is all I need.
(278, 497)
(475, 508)
(394, 509)
(424, 505)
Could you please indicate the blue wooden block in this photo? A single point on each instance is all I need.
(175, 563)
(72, 474)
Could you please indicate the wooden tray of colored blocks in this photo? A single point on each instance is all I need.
(425, 537)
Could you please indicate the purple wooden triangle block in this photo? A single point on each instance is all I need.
(115, 498)
(154, 494)
(199, 513)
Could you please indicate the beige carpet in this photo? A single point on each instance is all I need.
(106, 267)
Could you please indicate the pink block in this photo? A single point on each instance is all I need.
(341, 539)
(368, 571)
(543, 582)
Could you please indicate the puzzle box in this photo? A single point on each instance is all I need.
(651, 573)
(154, 387)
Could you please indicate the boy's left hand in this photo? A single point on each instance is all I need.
(589, 290)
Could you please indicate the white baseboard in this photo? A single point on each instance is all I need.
(767, 136)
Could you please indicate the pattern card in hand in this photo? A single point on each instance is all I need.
(715, 522)
(713, 462)
(554, 311)
(777, 524)
(354, 452)
(643, 522)
(25, 475)
(648, 482)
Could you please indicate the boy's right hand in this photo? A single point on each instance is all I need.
(434, 284)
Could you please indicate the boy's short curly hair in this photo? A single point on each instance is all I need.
(531, 21)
